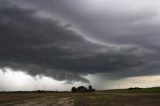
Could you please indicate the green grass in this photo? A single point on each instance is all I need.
(118, 99)
(122, 97)
(142, 90)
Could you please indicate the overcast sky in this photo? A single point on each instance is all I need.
(66, 43)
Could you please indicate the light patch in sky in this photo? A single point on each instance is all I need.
(20, 81)
(142, 82)
(15, 81)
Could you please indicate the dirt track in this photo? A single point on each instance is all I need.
(80, 99)
(44, 101)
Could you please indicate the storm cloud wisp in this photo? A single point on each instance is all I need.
(43, 46)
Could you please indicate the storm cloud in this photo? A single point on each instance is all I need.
(44, 46)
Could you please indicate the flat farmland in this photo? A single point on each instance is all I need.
(101, 98)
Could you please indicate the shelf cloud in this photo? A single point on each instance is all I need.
(44, 46)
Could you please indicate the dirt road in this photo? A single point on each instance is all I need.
(80, 99)
(44, 101)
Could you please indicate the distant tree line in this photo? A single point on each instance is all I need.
(135, 88)
(82, 89)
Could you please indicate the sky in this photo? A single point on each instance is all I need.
(57, 44)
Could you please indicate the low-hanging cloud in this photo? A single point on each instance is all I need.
(41, 46)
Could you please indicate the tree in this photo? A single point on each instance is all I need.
(90, 88)
(82, 89)
(74, 89)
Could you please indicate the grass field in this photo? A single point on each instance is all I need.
(135, 90)
(137, 97)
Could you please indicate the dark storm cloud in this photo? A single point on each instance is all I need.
(41, 46)
(116, 22)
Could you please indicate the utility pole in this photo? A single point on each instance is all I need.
(36, 83)
(118, 85)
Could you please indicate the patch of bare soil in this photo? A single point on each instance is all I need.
(64, 102)
(44, 101)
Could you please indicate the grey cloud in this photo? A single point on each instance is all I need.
(114, 23)
(40, 46)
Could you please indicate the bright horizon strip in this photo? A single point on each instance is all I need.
(19, 81)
